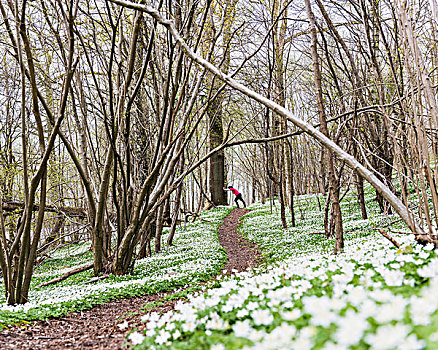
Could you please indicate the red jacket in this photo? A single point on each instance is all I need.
(236, 192)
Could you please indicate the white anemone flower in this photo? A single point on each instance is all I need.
(429, 246)
(387, 337)
(350, 328)
(136, 338)
(123, 325)
(242, 329)
(392, 311)
(262, 317)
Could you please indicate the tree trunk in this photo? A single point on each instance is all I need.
(159, 229)
(333, 183)
(177, 207)
(360, 195)
(217, 175)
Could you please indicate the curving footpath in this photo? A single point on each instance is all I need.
(99, 328)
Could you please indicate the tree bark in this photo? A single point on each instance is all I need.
(66, 275)
(360, 195)
(176, 208)
(333, 183)
(217, 175)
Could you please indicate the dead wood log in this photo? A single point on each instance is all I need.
(99, 278)
(193, 215)
(11, 206)
(67, 275)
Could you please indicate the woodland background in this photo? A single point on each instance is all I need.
(111, 130)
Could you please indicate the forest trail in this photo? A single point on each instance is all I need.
(98, 328)
(241, 253)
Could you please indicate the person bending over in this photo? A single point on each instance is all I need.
(237, 194)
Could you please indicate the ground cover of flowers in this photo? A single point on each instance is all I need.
(373, 296)
(196, 256)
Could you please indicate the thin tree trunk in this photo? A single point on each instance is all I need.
(177, 207)
(290, 182)
(360, 195)
(159, 228)
(333, 183)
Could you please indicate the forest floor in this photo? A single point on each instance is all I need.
(100, 327)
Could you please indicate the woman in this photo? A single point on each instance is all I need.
(237, 194)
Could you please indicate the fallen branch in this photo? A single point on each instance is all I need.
(401, 232)
(67, 275)
(11, 206)
(388, 237)
(194, 216)
(99, 278)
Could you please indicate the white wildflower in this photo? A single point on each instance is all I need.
(429, 246)
(242, 313)
(412, 343)
(350, 329)
(262, 316)
(163, 337)
(387, 337)
(420, 310)
(242, 329)
(123, 325)
(176, 334)
(394, 310)
(136, 338)
(291, 315)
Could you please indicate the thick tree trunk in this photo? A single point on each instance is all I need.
(217, 175)
(217, 161)
(98, 231)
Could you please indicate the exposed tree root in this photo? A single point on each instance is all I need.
(388, 237)
(422, 239)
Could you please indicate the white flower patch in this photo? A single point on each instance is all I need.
(321, 310)
(197, 252)
(430, 270)
(71, 250)
(359, 296)
(310, 291)
(350, 328)
(393, 337)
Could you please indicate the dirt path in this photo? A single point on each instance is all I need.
(241, 253)
(98, 328)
